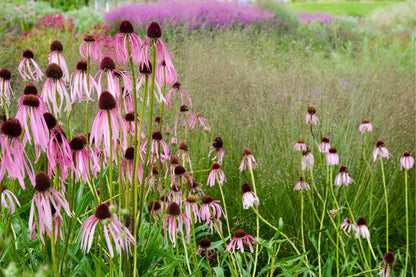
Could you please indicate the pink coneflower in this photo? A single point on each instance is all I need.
(129, 128)
(58, 152)
(90, 48)
(343, 177)
(107, 68)
(184, 154)
(5, 87)
(155, 207)
(250, 199)
(127, 166)
(113, 231)
(406, 161)
(307, 159)
(211, 209)
(195, 188)
(248, 160)
(145, 73)
(100, 131)
(197, 118)
(205, 246)
(239, 237)
(362, 229)
(79, 84)
(80, 157)
(183, 118)
(386, 264)
(153, 178)
(126, 84)
(216, 171)
(174, 141)
(156, 141)
(54, 89)
(301, 185)
(175, 194)
(45, 198)
(365, 126)
(174, 222)
(311, 116)
(167, 70)
(180, 173)
(183, 94)
(13, 156)
(380, 151)
(333, 213)
(28, 68)
(348, 225)
(300, 145)
(30, 113)
(191, 207)
(57, 224)
(332, 157)
(324, 145)
(8, 199)
(126, 33)
(217, 146)
(56, 57)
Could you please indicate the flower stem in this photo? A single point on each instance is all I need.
(186, 254)
(110, 163)
(250, 168)
(55, 263)
(407, 221)
(387, 206)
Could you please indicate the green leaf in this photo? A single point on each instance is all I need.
(219, 271)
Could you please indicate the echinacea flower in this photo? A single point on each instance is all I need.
(107, 115)
(380, 151)
(191, 207)
(28, 68)
(311, 116)
(406, 161)
(127, 40)
(90, 49)
(30, 113)
(45, 198)
(184, 154)
(300, 145)
(174, 221)
(154, 207)
(180, 173)
(54, 90)
(348, 225)
(332, 157)
(362, 229)
(248, 160)
(175, 194)
(113, 231)
(307, 159)
(82, 86)
(13, 155)
(333, 213)
(250, 199)
(343, 177)
(324, 145)
(211, 209)
(217, 146)
(145, 75)
(183, 94)
(129, 128)
(386, 264)
(5, 87)
(166, 73)
(156, 141)
(216, 175)
(301, 185)
(107, 68)
(57, 57)
(127, 166)
(197, 118)
(205, 246)
(39, 224)
(240, 236)
(365, 126)
(8, 199)
(80, 158)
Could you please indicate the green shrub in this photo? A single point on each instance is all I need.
(85, 18)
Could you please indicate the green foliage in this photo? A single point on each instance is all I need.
(84, 18)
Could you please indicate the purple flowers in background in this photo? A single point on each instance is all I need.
(306, 17)
(193, 14)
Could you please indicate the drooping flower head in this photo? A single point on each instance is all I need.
(217, 146)
(5, 87)
(156, 142)
(174, 221)
(13, 155)
(28, 68)
(362, 229)
(175, 194)
(145, 75)
(80, 158)
(348, 225)
(81, 90)
(8, 199)
(57, 57)
(210, 209)
(166, 73)
(332, 157)
(324, 145)
(191, 208)
(127, 40)
(311, 116)
(250, 199)
(240, 236)
(184, 154)
(380, 151)
(205, 246)
(183, 94)
(180, 173)
(54, 90)
(248, 160)
(198, 118)
(406, 161)
(107, 68)
(89, 48)
(386, 264)
(300, 145)
(216, 175)
(127, 166)
(154, 207)
(113, 231)
(365, 126)
(302, 185)
(343, 177)
(307, 159)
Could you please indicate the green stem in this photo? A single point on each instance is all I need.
(186, 254)
(387, 205)
(301, 224)
(250, 168)
(407, 221)
(55, 264)
(162, 108)
(110, 164)
(225, 206)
